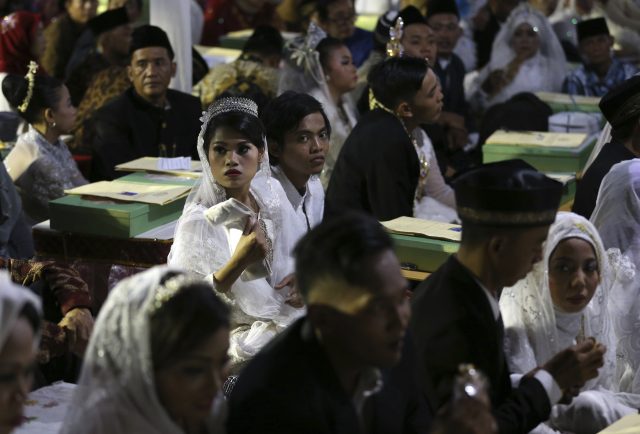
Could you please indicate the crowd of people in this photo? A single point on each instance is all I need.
(283, 307)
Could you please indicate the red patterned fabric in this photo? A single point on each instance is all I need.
(68, 290)
(17, 33)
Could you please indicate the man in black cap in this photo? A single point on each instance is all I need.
(506, 209)
(109, 39)
(148, 119)
(454, 123)
(601, 71)
(621, 107)
(347, 366)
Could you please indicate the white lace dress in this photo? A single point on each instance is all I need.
(535, 330)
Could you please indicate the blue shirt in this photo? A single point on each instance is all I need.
(585, 81)
(360, 44)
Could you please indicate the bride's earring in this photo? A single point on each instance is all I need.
(327, 77)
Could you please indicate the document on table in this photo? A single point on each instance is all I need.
(424, 228)
(132, 191)
(153, 164)
(630, 424)
(534, 138)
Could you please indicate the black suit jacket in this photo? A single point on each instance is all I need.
(290, 387)
(129, 127)
(377, 170)
(453, 323)
(587, 190)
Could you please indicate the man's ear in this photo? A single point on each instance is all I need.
(130, 73)
(404, 110)
(174, 68)
(496, 245)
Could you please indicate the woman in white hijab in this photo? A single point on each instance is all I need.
(617, 218)
(235, 230)
(526, 57)
(156, 361)
(19, 336)
(561, 302)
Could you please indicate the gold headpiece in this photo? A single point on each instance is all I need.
(31, 78)
(394, 47)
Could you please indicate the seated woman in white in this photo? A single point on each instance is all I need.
(322, 66)
(40, 164)
(617, 218)
(526, 56)
(561, 302)
(235, 231)
(156, 361)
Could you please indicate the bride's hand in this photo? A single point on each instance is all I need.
(294, 298)
(252, 246)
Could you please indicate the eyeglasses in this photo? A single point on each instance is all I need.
(344, 19)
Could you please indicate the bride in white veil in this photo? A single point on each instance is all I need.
(617, 218)
(537, 325)
(156, 360)
(517, 67)
(234, 230)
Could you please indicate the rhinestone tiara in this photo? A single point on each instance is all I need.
(233, 104)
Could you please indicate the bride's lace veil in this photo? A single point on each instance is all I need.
(529, 314)
(116, 391)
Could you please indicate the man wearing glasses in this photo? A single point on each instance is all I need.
(338, 18)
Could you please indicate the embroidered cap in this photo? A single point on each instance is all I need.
(507, 193)
(622, 103)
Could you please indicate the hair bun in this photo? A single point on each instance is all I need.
(14, 88)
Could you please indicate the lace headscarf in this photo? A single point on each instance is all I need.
(617, 218)
(535, 330)
(13, 298)
(202, 248)
(116, 392)
(547, 69)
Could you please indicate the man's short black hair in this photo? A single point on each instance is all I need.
(340, 249)
(397, 79)
(264, 40)
(322, 8)
(284, 113)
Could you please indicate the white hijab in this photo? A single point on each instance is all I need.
(617, 218)
(116, 392)
(535, 330)
(13, 298)
(544, 71)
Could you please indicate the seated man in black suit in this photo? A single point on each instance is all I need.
(149, 119)
(347, 366)
(621, 107)
(506, 209)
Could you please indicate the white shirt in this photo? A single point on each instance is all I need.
(308, 207)
(544, 377)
